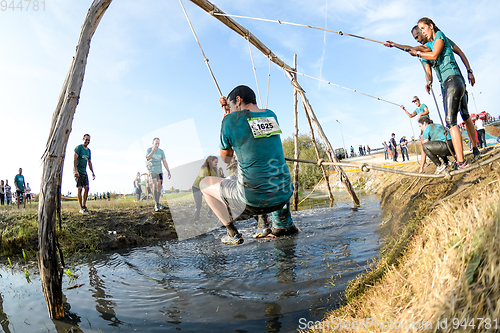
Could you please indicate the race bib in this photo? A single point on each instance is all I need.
(264, 127)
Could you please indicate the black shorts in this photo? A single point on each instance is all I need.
(18, 193)
(82, 181)
(28, 196)
(157, 176)
(238, 209)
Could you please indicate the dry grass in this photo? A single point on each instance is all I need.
(450, 270)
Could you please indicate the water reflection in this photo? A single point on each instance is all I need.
(285, 258)
(200, 285)
(273, 314)
(4, 318)
(104, 306)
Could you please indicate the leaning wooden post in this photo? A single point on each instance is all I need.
(239, 29)
(296, 143)
(328, 146)
(53, 160)
(325, 172)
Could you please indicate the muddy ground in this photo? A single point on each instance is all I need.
(103, 229)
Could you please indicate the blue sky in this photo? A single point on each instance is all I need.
(146, 77)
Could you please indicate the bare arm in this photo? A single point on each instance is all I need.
(227, 155)
(77, 175)
(428, 71)
(433, 54)
(91, 169)
(166, 167)
(457, 50)
(150, 155)
(407, 48)
(422, 160)
(411, 115)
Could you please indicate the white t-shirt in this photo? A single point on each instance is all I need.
(479, 124)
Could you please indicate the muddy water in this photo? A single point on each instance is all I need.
(200, 285)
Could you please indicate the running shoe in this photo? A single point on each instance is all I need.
(157, 208)
(460, 166)
(237, 239)
(440, 168)
(85, 210)
(81, 211)
(476, 153)
(263, 233)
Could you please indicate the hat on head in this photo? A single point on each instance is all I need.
(415, 98)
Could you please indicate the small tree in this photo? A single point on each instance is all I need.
(309, 174)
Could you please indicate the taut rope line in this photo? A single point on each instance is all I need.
(201, 49)
(297, 24)
(366, 167)
(337, 85)
(268, 82)
(254, 71)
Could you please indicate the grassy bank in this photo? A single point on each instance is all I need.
(441, 261)
(110, 224)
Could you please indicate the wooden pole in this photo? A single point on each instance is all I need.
(296, 143)
(233, 25)
(53, 160)
(325, 173)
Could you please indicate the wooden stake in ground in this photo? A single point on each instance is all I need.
(296, 143)
(53, 160)
(233, 25)
(325, 172)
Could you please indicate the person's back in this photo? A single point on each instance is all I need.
(264, 183)
(260, 160)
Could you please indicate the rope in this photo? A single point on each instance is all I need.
(366, 167)
(415, 145)
(254, 71)
(353, 90)
(268, 82)
(300, 25)
(201, 49)
(312, 190)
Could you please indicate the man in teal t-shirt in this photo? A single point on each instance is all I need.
(435, 144)
(20, 186)
(155, 156)
(264, 184)
(80, 161)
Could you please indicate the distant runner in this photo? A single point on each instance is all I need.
(155, 156)
(81, 159)
(20, 186)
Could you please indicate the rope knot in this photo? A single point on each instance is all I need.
(341, 33)
(212, 12)
(205, 59)
(279, 21)
(365, 168)
(320, 161)
(447, 175)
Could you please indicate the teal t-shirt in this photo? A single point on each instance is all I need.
(446, 64)
(434, 132)
(82, 160)
(154, 164)
(263, 176)
(421, 109)
(19, 181)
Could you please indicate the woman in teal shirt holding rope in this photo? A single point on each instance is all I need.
(452, 81)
